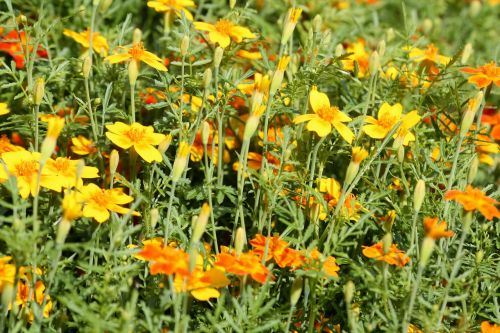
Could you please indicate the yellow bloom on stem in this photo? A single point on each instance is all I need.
(201, 284)
(62, 173)
(394, 256)
(388, 116)
(358, 154)
(403, 135)
(99, 202)
(325, 116)
(82, 146)
(224, 31)
(72, 205)
(176, 6)
(141, 138)
(24, 166)
(4, 109)
(6, 146)
(7, 272)
(359, 55)
(136, 54)
(99, 43)
(429, 54)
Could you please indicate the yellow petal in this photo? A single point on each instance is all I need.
(148, 153)
(221, 39)
(204, 294)
(344, 131)
(304, 117)
(119, 140)
(375, 131)
(320, 126)
(318, 100)
(117, 58)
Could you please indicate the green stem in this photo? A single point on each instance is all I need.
(132, 102)
(409, 310)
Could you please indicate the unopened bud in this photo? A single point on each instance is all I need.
(114, 159)
(426, 251)
(154, 217)
(181, 161)
(466, 53)
(87, 66)
(290, 22)
(470, 112)
(219, 52)
(253, 123)
(7, 296)
(339, 50)
(63, 231)
(479, 256)
(165, 143)
(427, 26)
(239, 241)
(104, 5)
(390, 34)
(137, 36)
(419, 195)
(317, 22)
(387, 242)
(133, 72)
(349, 289)
(381, 48)
(374, 63)
(474, 166)
(39, 91)
(184, 45)
(21, 20)
(475, 8)
(278, 74)
(205, 132)
(232, 3)
(207, 78)
(401, 153)
(352, 171)
(296, 290)
(201, 223)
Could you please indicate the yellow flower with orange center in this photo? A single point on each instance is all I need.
(62, 173)
(359, 56)
(98, 202)
(82, 146)
(484, 75)
(137, 54)
(325, 117)
(99, 43)
(394, 256)
(173, 6)
(141, 138)
(23, 165)
(430, 54)
(224, 31)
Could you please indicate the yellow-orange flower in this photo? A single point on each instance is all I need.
(325, 116)
(23, 165)
(388, 116)
(82, 146)
(474, 199)
(435, 229)
(486, 327)
(137, 53)
(394, 256)
(99, 202)
(278, 250)
(176, 6)
(4, 109)
(484, 75)
(99, 43)
(429, 54)
(245, 264)
(6, 146)
(359, 55)
(358, 154)
(141, 138)
(7, 272)
(62, 173)
(25, 297)
(224, 31)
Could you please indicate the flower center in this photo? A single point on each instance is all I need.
(137, 50)
(135, 134)
(327, 113)
(62, 164)
(100, 198)
(224, 26)
(26, 168)
(431, 52)
(388, 121)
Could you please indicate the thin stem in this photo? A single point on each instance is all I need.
(409, 310)
(37, 130)
(169, 212)
(132, 102)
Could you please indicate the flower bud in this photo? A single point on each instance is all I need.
(239, 241)
(181, 161)
(137, 36)
(290, 22)
(352, 171)
(374, 63)
(201, 223)
(184, 45)
(253, 123)
(63, 231)
(165, 143)
(381, 48)
(114, 159)
(104, 5)
(401, 153)
(479, 256)
(474, 166)
(296, 290)
(207, 78)
(470, 112)
(426, 251)
(21, 20)
(475, 8)
(7, 296)
(133, 72)
(219, 52)
(349, 289)
(427, 26)
(154, 217)
(39, 91)
(390, 34)
(387, 242)
(278, 74)
(232, 3)
(339, 50)
(419, 195)
(205, 132)
(466, 53)
(86, 66)
(317, 22)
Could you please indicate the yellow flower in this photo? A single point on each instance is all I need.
(224, 31)
(141, 138)
(429, 54)
(7, 272)
(82, 146)
(176, 6)
(99, 43)
(72, 205)
(403, 134)
(4, 109)
(325, 116)
(359, 55)
(388, 116)
(7, 146)
(24, 166)
(99, 202)
(62, 173)
(358, 154)
(136, 54)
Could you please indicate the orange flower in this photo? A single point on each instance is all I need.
(166, 259)
(328, 265)
(489, 328)
(394, 256)
(435, 229)
(493, 119)
(82, 146)
(474, 199)
(485, 75)
(245, 264)
(14, 44)
(278, 250)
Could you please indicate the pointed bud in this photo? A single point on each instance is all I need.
(239, 241)
(381, 48)
(154, 217)
(401, 153)
(374, 63)
(474, 166)
(181, 161)
(470, 112)
(466, 53)
(426, 251)
(232, 3)
(114, 159)
(63, 231)
(87, 66)
(219, 52)
(339, 50)
(184, 45)
(207, 78)
(278, 74)
(165, 143)
(137, 36)
(205, 132)
(419, 195)
(290, 22)
(475, 8)
(427, 26)
(7, 296)
(133, 72)
(296, 290)
(253, 123)
(201, 223)
(39, 91)
(349, 289)
(387, 242)
(390, 34)
(104, 5)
